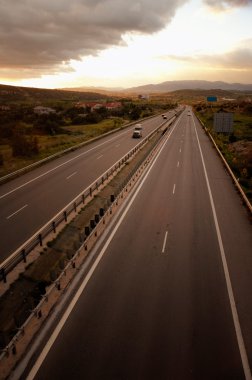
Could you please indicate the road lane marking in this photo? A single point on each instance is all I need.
(178, 164)
(180, 150)
(174, 188)
(164, 244)
(239, 336)
(82, 287)
(98, 158)
(58, 166)
(71, 175)
(16, 212)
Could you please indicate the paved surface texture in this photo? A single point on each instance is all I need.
(158, 304)
(27, 203)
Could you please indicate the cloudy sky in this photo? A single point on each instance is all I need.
(124, 43)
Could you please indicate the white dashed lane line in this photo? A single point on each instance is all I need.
(16, 212)
(71, 175)
(164, 243)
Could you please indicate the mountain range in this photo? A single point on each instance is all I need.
(170, 86)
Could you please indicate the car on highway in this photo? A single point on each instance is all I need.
(164, 116)
(138, 127)
(138, 131)
(137, 134)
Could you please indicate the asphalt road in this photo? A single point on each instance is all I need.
(29, 202)
(169, 296)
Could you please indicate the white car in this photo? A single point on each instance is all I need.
(137, 134)
(138, 127)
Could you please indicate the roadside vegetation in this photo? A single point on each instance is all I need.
(236, 147)
(27, 136)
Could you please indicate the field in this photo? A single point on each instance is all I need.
(49, 145)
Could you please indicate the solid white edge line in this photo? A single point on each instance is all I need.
(174, 188)
(242, 349)
(63, 320)
(165, 239)
(58, 166)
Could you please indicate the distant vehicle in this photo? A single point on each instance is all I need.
(138, 127)
(164, 116)
(137, 134)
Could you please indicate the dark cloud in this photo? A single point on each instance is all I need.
(226, 4)
(40, 35)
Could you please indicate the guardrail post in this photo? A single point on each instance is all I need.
(40, 240)
(54, 227)
(92, 223)
(90, 192)
(75, 207)
(23, 255)
(65, 216)
(3, 275)
(83, 198)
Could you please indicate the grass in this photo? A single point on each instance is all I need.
(236, 148)
(49, 145)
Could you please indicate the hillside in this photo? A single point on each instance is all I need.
(10, 94)
(170, 86)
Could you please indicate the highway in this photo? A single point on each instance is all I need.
(169, 295)
(27, 203)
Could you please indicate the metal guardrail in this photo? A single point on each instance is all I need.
(20, 255)
(11, 354)
(65, 151)
(229, 170)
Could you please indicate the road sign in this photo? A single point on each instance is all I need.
(212, 98)
(223, 122)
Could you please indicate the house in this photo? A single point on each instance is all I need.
(95, 106)
(39, 110)
(113, 105)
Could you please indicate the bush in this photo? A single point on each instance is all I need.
(232, 138)
(25, 146)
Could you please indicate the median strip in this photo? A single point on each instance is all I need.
(64, 255)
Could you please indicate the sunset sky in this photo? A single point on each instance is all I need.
(124, 43)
